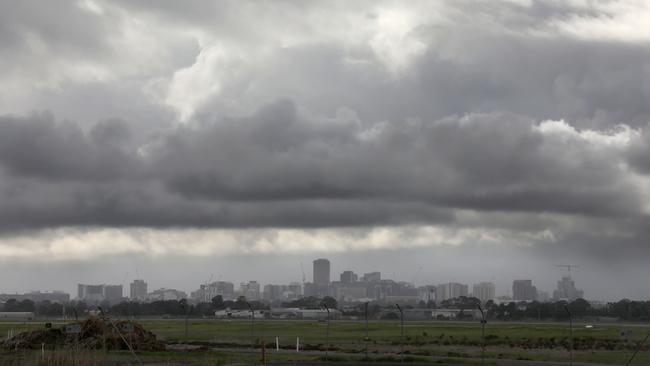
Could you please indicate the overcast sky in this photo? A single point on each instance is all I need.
(479, 140)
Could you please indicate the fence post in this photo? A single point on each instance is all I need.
(401, 319)
(570, 335)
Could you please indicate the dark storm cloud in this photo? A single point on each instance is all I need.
(286, 168)
(639, 153)
(496, 161)
(39, 147)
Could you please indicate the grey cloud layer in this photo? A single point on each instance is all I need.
(304, 114)
(481, 57)
(284, 167)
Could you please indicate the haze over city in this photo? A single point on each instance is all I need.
(459, 141)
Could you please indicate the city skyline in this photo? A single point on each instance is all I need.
(323, 285)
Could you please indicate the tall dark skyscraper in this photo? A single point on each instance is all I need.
(321, 271)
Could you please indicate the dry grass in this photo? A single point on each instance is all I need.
(62, 358)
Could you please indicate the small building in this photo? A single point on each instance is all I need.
(318, 314)
(240, 314)
(17, 315)
(455, 313)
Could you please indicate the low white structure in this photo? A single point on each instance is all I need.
(279, 313)
(17, 315)
(454, 313)
(240, 314)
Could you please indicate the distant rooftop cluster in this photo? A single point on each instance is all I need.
(350, 287)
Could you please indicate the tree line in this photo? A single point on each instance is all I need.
(626, 310)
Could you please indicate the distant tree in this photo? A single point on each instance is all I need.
(26, 305)
(309, 302)
(81, 307)
(330, 302)
(55, 309)
(258, 305)
(203, 309)
(240, 304)
(373, 310)
(390, 316)
(48, 308)
(217, 302)
(580, 307)
(10, 305)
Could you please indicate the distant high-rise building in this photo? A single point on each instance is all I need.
(523, 290)
(273, 292)
(451, 290)
(484, 291)
(207, 292)
(250, 290)
(97, 293)
(566, 290)
(427, 293)
(138, 290)
(348, 277)
(371, 277)
(322, 272)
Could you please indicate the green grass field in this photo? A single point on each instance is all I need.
(428, 340)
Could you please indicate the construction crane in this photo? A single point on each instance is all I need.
(568, 267)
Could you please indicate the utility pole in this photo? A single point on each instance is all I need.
(186, 308)
(104, 321)
(250, 307)
(367, 338)
(401, 318)
(570, 335)
(187, 319)
(327, 332)
(483, 322)
(638, 348)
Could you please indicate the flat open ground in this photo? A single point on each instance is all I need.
(209, 340)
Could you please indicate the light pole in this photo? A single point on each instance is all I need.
(367, 339)
(250, 307)
(401, 319)
(186, 307)
(638, 348)
(327, 331)
(104, 320)
(570, 335)
(483, 322)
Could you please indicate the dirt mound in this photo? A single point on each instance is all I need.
(93, 333)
